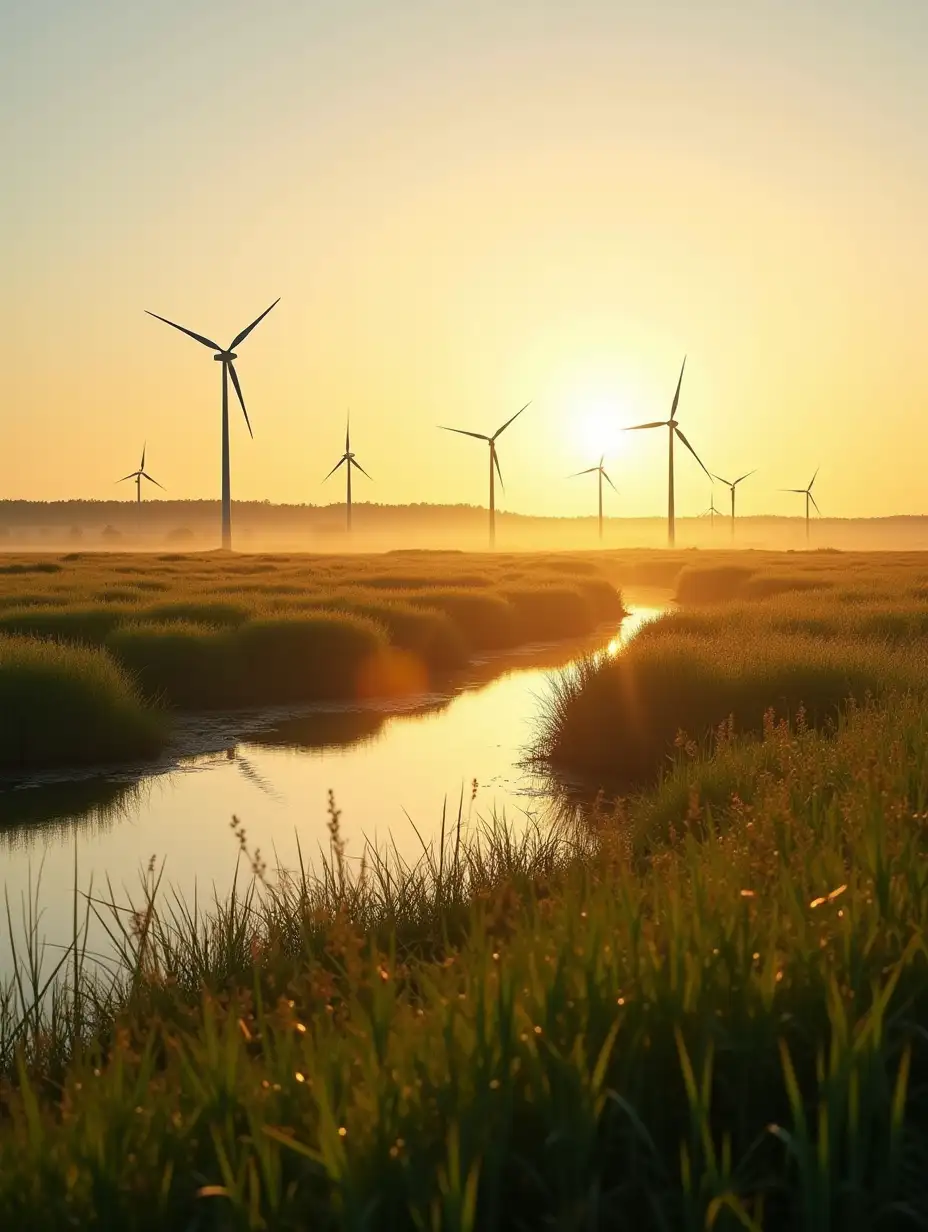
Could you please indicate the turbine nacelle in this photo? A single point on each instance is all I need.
(225, 357)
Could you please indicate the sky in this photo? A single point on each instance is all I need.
(464, 207)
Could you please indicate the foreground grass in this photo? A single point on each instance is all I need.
(70, 703)
(690, 1017)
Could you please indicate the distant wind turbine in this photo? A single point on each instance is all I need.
(138, 476)
(711, 513)
(673, 430)
(348, 460)
(600, 471)
(494, 462)
(226, 357)
(728, 484)
(807, 493)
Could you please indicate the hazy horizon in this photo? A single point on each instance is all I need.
(463, 210)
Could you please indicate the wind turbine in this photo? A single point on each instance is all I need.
(600, 471)
(728, 484)
(494, 462)
(348, 460)
(673, 430)
(711, 513)
(139, 475)
(807, 493)
(226, 357)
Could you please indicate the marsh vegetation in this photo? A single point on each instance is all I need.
(704, 1007)
(202, 632)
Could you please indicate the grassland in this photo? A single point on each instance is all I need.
(703, 1008)
(213, 631)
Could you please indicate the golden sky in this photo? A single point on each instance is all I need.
(462, 207)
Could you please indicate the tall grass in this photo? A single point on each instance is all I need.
(313, 656)
(249, 631)
(619, 719)
(68, 705)
(721, 1032)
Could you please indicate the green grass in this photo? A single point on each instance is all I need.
(617, 720)
(703, 1008)
(206, 630)
(720, 1026)
(67, 705)
(183, 664)
(320, 656)
(88, 626)
(313, 656)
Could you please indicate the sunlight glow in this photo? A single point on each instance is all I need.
(597, 430)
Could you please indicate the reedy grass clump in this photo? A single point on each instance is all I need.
(486, 620)
(312, 656)
(70, 705)
(88, 626)
(184, 664)
(435, 616)
(722, 1033)
(618, 719)
(431, 635)
(317, 655)
(723, 583)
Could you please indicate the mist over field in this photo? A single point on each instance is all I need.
(261, 526)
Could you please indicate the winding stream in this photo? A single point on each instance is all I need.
(391, 769)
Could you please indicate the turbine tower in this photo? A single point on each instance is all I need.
(673, 429)
(138, 476)
(600, 471)
(711, 513)
(226, 356)
(348, 460)
(807, 493)
(728, 484)
(494, 462)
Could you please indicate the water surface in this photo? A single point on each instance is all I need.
(391, 769)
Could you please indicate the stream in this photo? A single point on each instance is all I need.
(392, 769)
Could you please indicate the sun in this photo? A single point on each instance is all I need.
(596, 430)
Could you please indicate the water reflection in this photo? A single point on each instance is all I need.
(390, 769)
(53, 809)
(336, 728)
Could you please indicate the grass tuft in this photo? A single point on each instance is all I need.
(67, 705)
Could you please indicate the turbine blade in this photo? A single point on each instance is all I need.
(207, 342)
(125, 477)
(658, 423)
(747, 476)
(238, 389)
(347, 433)
(245, 332)
(142, 463)
(339, 463)
(154, 481)
(812, 480)
(463, 431)
(498, 471)
(588, 471)
(812, 499)
(692, 450)
(355, 463)
(727, 482)
(610, 483)
(676, 397)
(509, 421)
